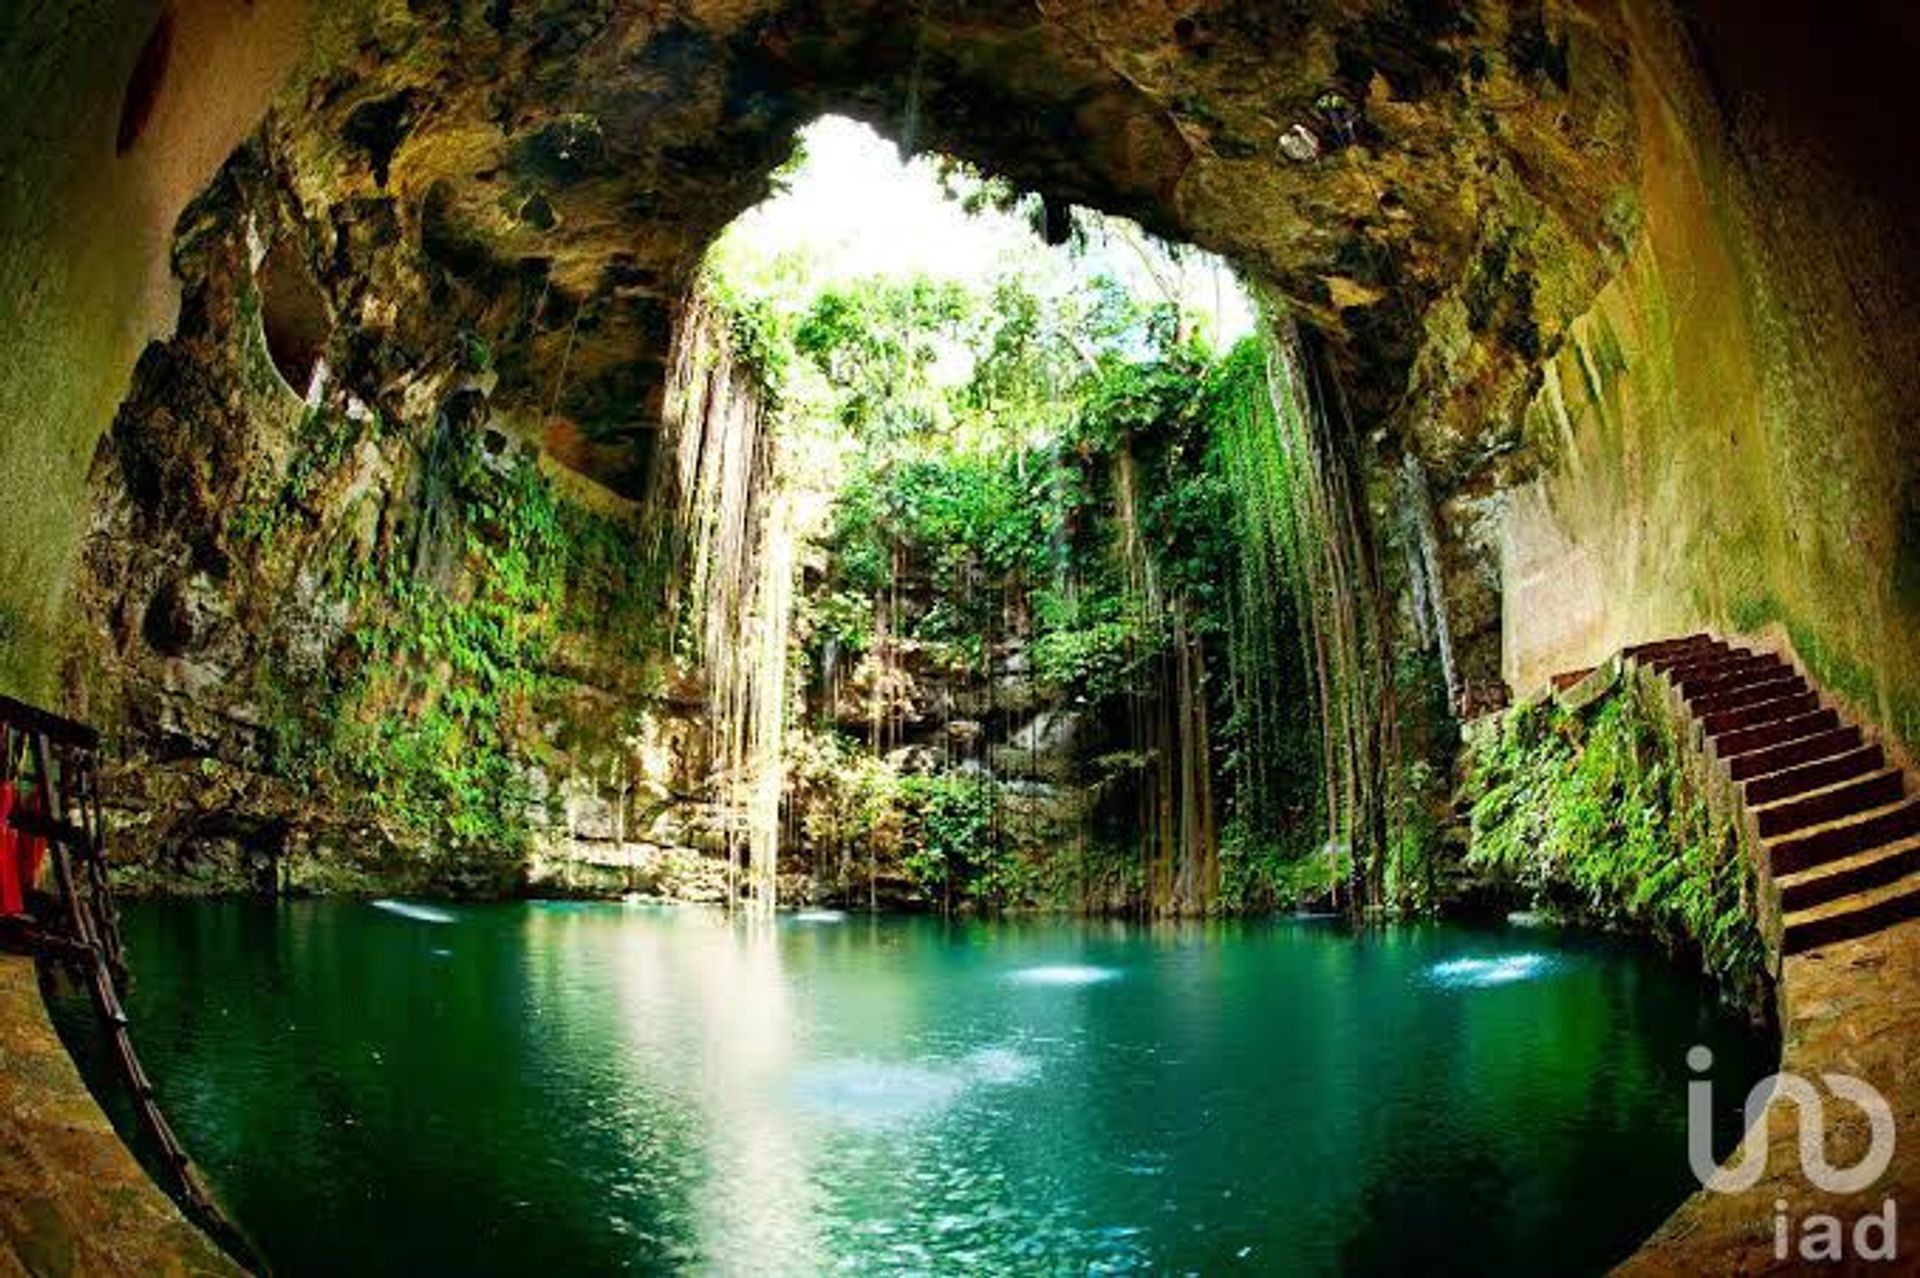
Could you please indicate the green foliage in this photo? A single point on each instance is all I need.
(858, 795)
(1092, 644)
(953, 849)
(878, 345)
(429, 710)
(1264, 874)
(780, 181)
(1059, 471)
(843, 618)
(1421, 802)
(962, 520)
(1040, 518)
(324, 440)
(973, 189)
(1594, 812)
(1140, 400)
(474, 355)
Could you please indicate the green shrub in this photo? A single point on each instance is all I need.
(1593, 812)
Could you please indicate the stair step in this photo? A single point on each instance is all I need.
(1749, 716)
(1705, 696)
(1842, 799)
(1683, 656)
(1656, 646)
(1668, 662)
(1766, 688)
(1854, 916)
(1861, 872)
(1642, 651)
(1792, 754)
(1687, 665)
(1729, 744)
(1704, 683)
(1713, 676)
(1805, 849)
(1835, 821)
(1788, 782)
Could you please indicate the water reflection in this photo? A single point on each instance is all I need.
(708, 990)
(585, 1089)
(418, 913)
(1064, 974)
(1483, 972)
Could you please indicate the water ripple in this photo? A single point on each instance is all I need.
(418, 913)
(1479, 973)
(1064, 974)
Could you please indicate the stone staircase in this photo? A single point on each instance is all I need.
(1836, 822)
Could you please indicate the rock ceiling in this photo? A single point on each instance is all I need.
(1435, 189)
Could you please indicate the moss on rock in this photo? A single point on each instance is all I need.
(1593, 813)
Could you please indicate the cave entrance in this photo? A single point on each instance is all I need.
(984, 454)
(1024, 588)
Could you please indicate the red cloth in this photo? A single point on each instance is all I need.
(32, 849)
(12, 895)
(20, 854)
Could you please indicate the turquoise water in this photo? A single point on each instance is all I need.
(547, 1088)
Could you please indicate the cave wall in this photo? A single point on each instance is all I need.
(354, 634)
(113, 114)
(1661, 225)
(1732, 426)
(543, 179)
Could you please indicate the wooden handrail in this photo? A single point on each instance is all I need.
(40, 826)
(56, 729)
(60, 757)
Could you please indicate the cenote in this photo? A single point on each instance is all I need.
(598, 1088)
(833, 636)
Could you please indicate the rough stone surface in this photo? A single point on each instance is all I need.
(85, 225)
(1852, 1008)
(1729, 427)
(72, 1198)
(218, 602)
(547, 178)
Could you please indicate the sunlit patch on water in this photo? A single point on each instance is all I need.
(1482, 972)
(1064, 974)
(867, 1093)
(418, 913)
(820, 916)
(1000, 1065)
(893, 1102)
